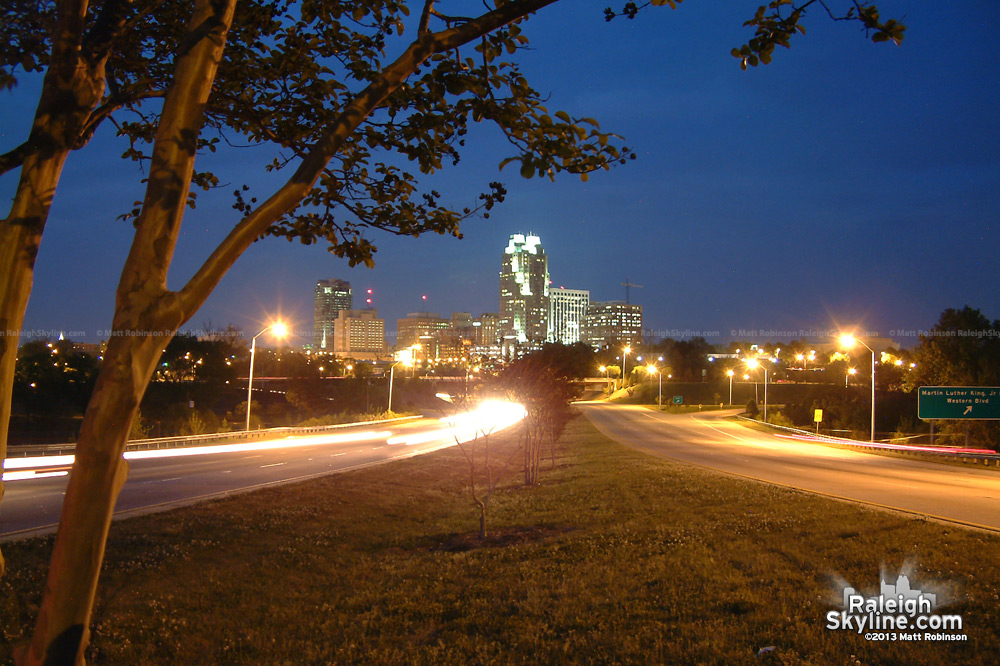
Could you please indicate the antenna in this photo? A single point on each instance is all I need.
(628, 283)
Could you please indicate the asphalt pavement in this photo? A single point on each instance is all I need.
(965, 495)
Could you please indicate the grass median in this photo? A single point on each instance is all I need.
(616, 558)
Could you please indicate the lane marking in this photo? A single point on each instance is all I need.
(273, 465)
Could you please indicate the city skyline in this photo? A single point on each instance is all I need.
(846, 184)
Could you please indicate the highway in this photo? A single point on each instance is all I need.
(162, 479)
(961, 494)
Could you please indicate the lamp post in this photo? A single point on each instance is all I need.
(847, 341)
(847, 375)
(625, 352)
(652, 369)
(408, 362)
(730, 373)
(753, 364)
(804, 358)
(604, 369)
(392, 371)
(280, 330)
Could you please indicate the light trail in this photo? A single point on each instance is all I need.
(490, 416)
(27, 465)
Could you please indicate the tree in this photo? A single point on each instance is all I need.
(284, 63)
(53, 378)
(541, 385)
(687, 358)
(309, 78)
(962, 349)
(486, 466)
(187, 358)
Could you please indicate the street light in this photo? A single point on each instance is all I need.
(847, 341)
(625, 352)
(753, 364)
(806, 358)
(847, 375)
(392, 370)
(604, 369)
(730, 373)
(280, 331)
(652, 369)
(408, 362)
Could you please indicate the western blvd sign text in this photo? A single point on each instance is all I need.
(958, 402)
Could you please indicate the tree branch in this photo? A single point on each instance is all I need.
(107, 28)
(291, 194)
(174, 149)
(425, 17)
(14, 158)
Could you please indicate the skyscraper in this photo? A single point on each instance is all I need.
(567, 311)
(524, 290)
(330, 297)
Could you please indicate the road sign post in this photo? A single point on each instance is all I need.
(958, 402)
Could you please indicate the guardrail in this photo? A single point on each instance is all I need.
(986, 459)
(196, 440)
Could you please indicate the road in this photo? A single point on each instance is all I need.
(960, 494)
(160, 480)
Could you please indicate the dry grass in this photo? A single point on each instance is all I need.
(617, 558)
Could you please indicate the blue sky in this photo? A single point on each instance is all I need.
(847, 183)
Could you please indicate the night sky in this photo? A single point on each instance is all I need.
(846, 184)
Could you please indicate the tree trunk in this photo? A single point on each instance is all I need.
(71, 90)
(144, 305)
(17, 266)
(20, 238)
(99, 471)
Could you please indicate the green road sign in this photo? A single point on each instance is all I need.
(678, 400)
(958, 402)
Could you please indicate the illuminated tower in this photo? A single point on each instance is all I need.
(330, 297)
(567, 312)
(524, 290)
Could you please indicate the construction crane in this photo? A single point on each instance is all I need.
(628, 283)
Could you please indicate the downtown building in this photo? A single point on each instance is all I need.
(359, 334)
(449, 340)
(612, 323)
(329, 298)
(524, 291)
(567, 313)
